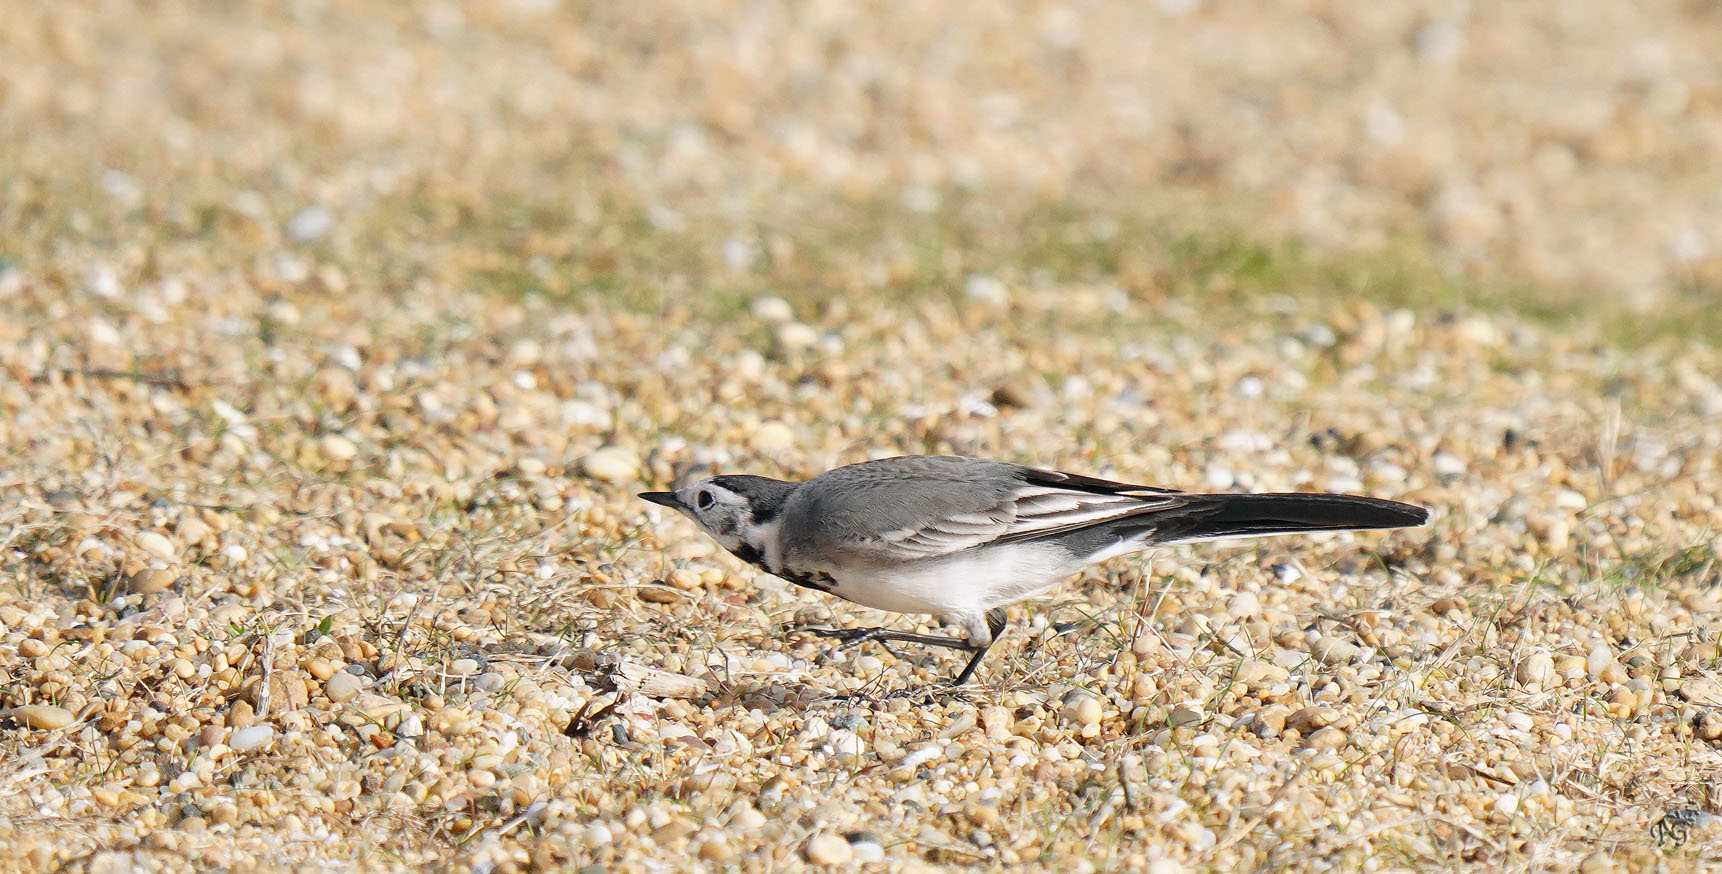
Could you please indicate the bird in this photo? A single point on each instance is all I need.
(961, 538)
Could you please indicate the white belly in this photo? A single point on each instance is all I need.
(969, 582)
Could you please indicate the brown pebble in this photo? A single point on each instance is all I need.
(1270, 721)
(43, 716)
(241, 715)
(1310, 719)
(149, 581)
(660, 594)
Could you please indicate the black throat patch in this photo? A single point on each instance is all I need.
(818, 581)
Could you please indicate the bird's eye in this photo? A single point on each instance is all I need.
(704, 500)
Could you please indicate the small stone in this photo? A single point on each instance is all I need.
(867, 850)
(986, 289)
(247, 739)
(1182, 716)
(775, 310)
(826, 848)
(1553, 531)
(1538, 668)
(1311, 719)
(1699, 601)
(1260, 673)
(464, 667)
(154, 543)
(310, 223)
(1244, 605)
(1599, 659)
(982, 814)
(322, 669)
(716, 848)
(1270, 721)
(43, 716)
(149, 581)
(1708, 725)
(772, 436)
(659, 595)
(1016, 393)
(1325, 739)
(337, 448)
(1702, 691)
(1446, 464)
(612, 464)
(1598, 862)
(191, 530)
(1333, 651)
(1081, 708)
(795, 336)
(341, 686)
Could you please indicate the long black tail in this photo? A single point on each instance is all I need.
(1213, 517)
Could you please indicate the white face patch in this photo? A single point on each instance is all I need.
(719, 512)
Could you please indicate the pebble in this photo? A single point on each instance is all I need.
(341, 687)
(1182, 716)
(155, 544)
(1270, 721)
(1081, 709)
(611, 464)
(149, 581)
(1311, 719)
(795, 336)
(310, 223)
(1702, 691)
(1244, 605)
(1538, 668)
(1259, 673)
(1333, 651)
(772, 436)
(42, 716)
(1709, 725)
(1600, 659)
(337, 448)
(826, 848)
(775, 310)
(248, 739)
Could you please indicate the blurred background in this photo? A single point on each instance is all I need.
(1550, 157)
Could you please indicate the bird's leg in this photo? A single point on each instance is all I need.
(995, 619)
(857, 636)
(995, 625)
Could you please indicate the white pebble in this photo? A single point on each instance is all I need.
(772, 436)
(154, 543)
(826, 848)
(772, 309)
(611, 464)
(253, 737)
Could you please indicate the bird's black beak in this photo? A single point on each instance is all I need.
(667, 499)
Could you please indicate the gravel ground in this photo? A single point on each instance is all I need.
(336, 339)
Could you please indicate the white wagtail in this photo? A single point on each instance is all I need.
(960, 538)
